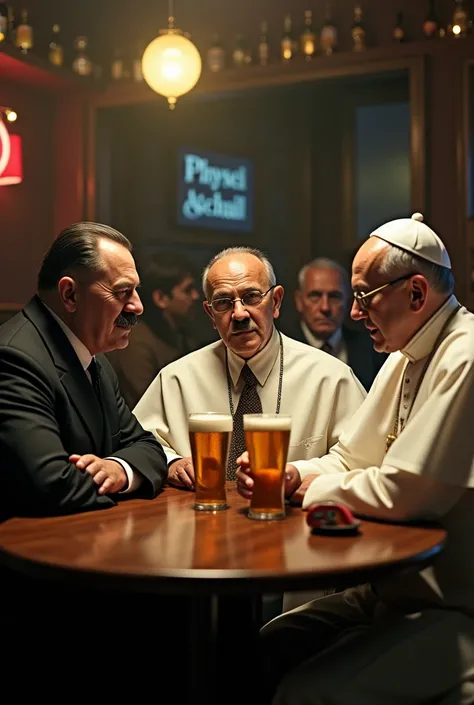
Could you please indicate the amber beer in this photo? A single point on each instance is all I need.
(266, 438)
(209, 434)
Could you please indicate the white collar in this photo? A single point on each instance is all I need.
(79, 348)
(334, 341)
(261, 364)
(422, 342)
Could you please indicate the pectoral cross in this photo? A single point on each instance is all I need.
(389, 441)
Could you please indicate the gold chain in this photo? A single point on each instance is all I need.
(392, 436)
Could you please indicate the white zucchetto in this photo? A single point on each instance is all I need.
(412, 235)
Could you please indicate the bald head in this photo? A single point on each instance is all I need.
(253, 300)
(236, 251)
(235, 268)
(370, 256)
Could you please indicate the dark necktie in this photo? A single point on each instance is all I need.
(95, 378)
(249, 403)
(327, 348)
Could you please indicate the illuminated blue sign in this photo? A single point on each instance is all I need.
(215, 191)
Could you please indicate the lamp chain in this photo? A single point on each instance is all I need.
(170, 14)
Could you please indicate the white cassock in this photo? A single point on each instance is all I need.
(319, 392)
(427, 474)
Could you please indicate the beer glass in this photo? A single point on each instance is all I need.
(209, 435)
(266, 438)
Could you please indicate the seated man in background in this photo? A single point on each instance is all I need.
(251, 367)
(68, 441)
(406, 456)
(169, 295)
(322, 299)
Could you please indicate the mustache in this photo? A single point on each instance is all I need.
(126, 320)
(243, 325)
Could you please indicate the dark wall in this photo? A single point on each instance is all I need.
(137, 172)
(299, 140)
(27, 209)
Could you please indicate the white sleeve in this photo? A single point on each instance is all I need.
(386, 493)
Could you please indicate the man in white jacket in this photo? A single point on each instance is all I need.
(406, 455)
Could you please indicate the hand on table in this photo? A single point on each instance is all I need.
(181, 474)
(109, 475)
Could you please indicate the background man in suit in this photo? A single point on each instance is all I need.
(69, 443)
(322, 300)
(169, 295)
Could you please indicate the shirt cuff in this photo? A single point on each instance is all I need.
(134, 478)
(171, 457)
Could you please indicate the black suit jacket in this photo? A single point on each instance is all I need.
(48, 411)
(361, 356)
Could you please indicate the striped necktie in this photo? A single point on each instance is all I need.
(249, 403)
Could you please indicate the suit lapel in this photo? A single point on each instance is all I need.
(70, 371)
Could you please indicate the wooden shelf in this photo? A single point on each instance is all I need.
(297, 71)
(31, 70)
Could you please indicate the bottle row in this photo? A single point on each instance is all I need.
(19, 33)
(306, 41)
(310, 41)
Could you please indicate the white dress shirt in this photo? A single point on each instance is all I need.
(85, 358)
(319, 392)
(336, 341)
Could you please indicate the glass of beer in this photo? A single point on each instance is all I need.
(209, 435)
(266, 438)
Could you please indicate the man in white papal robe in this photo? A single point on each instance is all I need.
(407, 455)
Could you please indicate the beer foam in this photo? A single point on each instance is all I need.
(210, 422)
(257, 422)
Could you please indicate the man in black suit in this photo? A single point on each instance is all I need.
(322, 299)
(68, 441)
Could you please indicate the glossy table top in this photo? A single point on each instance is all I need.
(165, 545)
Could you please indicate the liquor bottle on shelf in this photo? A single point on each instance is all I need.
(263, 49)
(247, 54)
(287, 42)
(137, 73)
(238, 55)
(308, 37)
(460, 19)
(116, 67)
(55, 48)
(431, 23)
(82, 65)
(5, 22)
(328, 36)
(398, 34)
(24, 33)
(216, 55)
(358, 30)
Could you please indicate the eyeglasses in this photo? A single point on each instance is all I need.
(251, 299)
(364, 299)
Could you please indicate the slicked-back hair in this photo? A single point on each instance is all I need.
(240, 251)
(76, 247)
(398, 262)
(326, 263)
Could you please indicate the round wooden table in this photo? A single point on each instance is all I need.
(222, 562)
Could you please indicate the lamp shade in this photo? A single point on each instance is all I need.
(171, 65)
(5, 147)
(13, 172)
